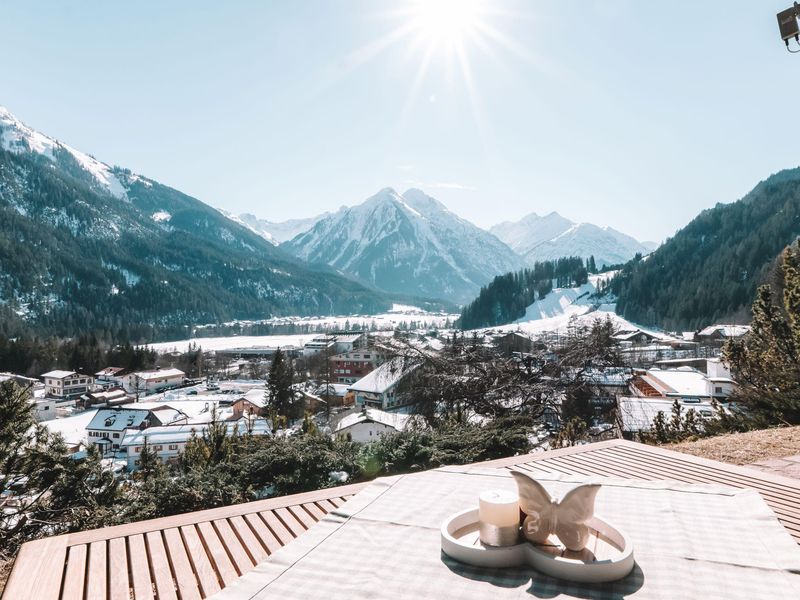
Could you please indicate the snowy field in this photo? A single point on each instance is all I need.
(555, 312)
(399, 315)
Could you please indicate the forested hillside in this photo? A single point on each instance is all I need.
(505, 299)
(143, 263)
(709, 271)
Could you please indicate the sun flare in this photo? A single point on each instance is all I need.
(446, 22)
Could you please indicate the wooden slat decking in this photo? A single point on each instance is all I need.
(194, 555)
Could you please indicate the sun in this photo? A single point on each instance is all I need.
(445, 22)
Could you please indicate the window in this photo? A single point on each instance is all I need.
(137, 449)
(717, 390)
(173, 446)
(158, 448)
(116, 435)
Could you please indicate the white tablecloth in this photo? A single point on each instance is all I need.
(690, 541)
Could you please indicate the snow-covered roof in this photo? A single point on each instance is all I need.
(159, 374)
(335, 389)
(118, 419)
(174, 434)
(348, 338)
(725, 330)
(384, 377)
(390, 419)
(109, 372)
(58, 374)
(197, 411)
(637, 414)
(683, 381)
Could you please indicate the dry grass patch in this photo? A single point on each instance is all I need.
(745, 448)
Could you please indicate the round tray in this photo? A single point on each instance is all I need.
(607, 557)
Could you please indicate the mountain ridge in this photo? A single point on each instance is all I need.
(409, 242)
(85, 246)
(548, 237)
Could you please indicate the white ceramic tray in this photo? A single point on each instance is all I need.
(607, 557)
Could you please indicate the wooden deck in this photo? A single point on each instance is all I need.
(192, 556)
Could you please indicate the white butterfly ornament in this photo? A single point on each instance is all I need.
(545, 516)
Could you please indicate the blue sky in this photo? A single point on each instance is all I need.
(618, 112)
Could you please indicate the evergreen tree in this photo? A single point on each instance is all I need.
(280, 394)
(767, 360)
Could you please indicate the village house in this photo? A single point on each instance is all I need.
(170, 442)
(368, 424)
(108, 397)
(110, 377)
(335, 342)
(66, 385)
(150, 382)
(379, 388)
(512, 343)
(349, 367)
(719, 334)
(109, 425)
(635, 415)
(683, 382)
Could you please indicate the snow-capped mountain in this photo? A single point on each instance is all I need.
(408, 243)
(17, 137)
(279, 232)
(552, 236)
(84, 245)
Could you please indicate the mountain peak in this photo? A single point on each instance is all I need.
(408, 244)
(19, 138)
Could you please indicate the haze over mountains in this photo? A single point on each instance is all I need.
(552, 236)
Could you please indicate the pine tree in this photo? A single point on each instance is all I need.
(767, 360)
(279, 386)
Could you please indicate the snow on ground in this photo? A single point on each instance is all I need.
(240, 341)
(72, 429)
(564, 306)
(160, 216)
(398, 315)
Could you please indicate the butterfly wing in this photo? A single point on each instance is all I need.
(572, 512)
(538, 505)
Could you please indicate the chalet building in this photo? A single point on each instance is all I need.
(379, 388)
(683, 382)
(109, 425)
(150, 382)
(170, 442)
(368, 424)
(636, 336)
(349, 367)
(107, 397)
(66, 385)
(719, 334)
(513, 342)
(110, 377)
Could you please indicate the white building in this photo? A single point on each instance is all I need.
(379, 388)
(636, 415)
(150, 382)
(319, 344)
(369, 424)
(110, 425)
(170, 442)
(684, 382)
(66, 385)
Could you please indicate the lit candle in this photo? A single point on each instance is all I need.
(498, 512)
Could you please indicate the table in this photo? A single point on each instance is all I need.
(690, 541)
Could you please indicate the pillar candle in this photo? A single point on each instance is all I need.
(499, 508)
